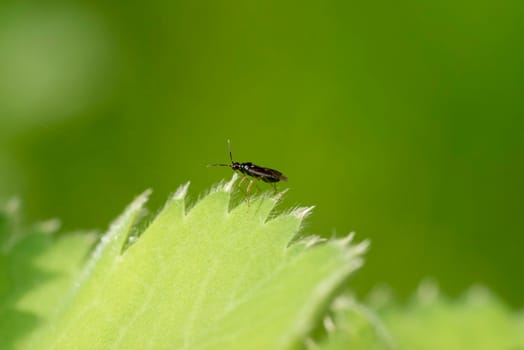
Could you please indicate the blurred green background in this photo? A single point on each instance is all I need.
(402, 121)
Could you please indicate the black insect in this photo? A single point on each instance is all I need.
(257, 172)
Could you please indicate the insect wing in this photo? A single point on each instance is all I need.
(266, 173)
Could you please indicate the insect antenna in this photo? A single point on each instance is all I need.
(229, 148)
(228, 165)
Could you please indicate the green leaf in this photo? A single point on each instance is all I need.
(36, 266)
(478, 321)
(430, 321)
(217, 276)
(351, 325)
(206, 278)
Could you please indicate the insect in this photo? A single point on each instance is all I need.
(257, 172)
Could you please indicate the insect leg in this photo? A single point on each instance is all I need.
(242, 180)
(248, 188)
(249, 185)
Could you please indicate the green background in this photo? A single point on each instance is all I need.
(401, 120)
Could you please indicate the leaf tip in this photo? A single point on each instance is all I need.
(310, 344)
(329, 324)
(181, 191)
(355, 249)
(228, 186)
(131, 209)
(380, 296)
(139, 201)
(312, 240)
(427, 291)
(302, 212)
(346, 241)
(280, 194)
(342, 302)
(49, 226)
(12, 206)
(362, 247)
(478, 295)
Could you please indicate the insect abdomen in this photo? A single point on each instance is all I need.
(269, 179)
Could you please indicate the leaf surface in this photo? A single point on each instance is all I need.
(208, 278)
(36, 266)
